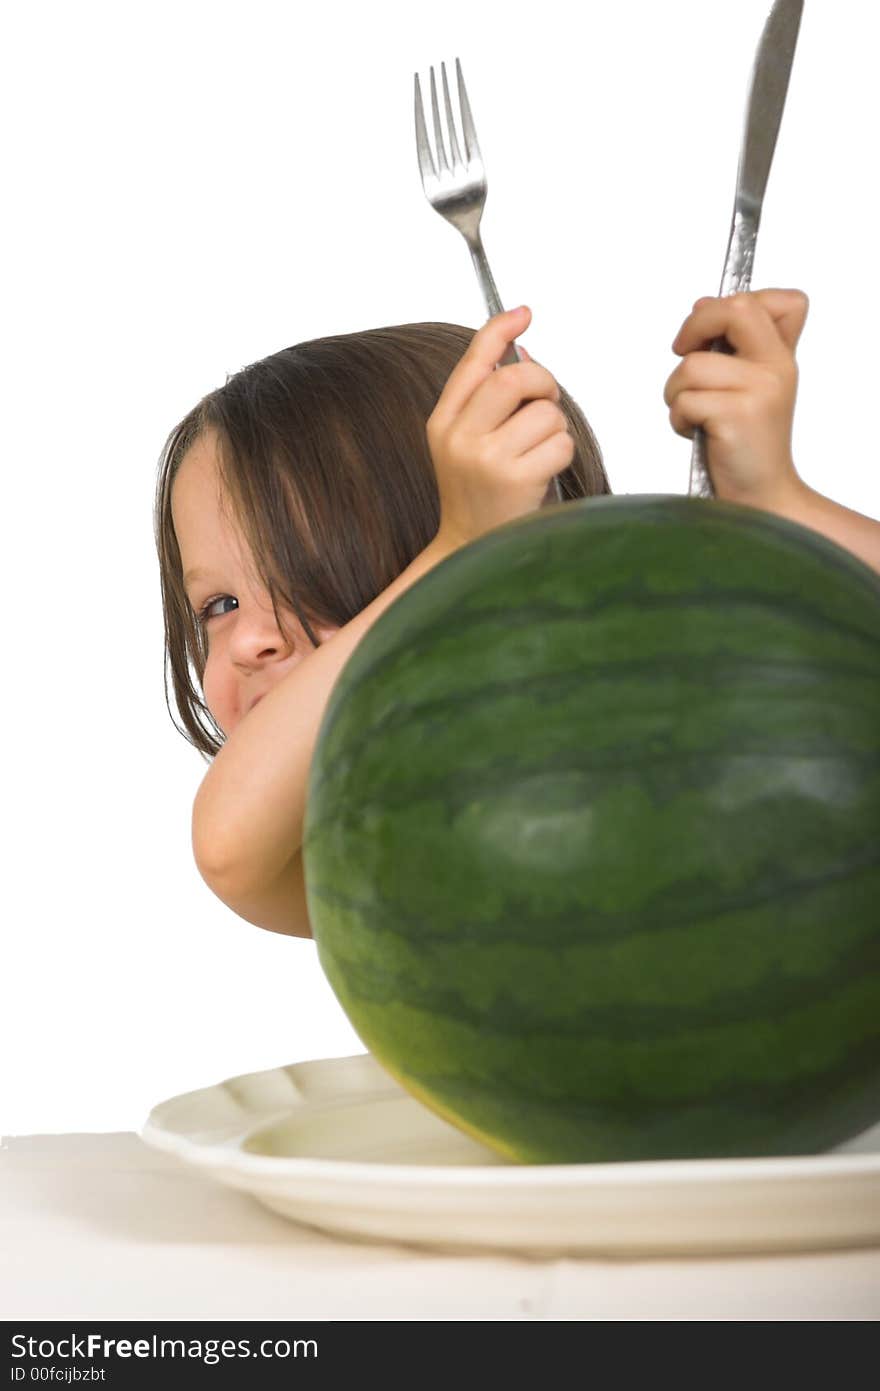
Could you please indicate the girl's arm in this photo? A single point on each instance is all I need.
(494, 457)
(745, 403)
(248, 813)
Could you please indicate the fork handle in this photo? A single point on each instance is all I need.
(490, 294)
(484, 275)
(554, 492)
(511, 353)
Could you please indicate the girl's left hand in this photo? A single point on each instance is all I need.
(744, 401)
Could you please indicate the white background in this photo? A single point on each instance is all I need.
(191, 186)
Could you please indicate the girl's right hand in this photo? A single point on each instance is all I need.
(493, 455)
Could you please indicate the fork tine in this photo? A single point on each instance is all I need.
(450, 121)
(438, 130)
(426, 159)
(467, 120)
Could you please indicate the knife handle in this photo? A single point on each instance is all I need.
(736, 279)
(700, 484)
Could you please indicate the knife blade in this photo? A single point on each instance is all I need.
(764, 107)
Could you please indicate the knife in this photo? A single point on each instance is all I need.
(764, 109)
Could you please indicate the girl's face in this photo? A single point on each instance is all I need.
(247, 651)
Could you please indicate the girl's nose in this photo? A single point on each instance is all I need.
(257, 639)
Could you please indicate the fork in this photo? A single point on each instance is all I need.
(458, 193)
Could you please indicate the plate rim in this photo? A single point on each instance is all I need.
(624, 1173)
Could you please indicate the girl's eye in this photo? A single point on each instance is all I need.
(213, 610)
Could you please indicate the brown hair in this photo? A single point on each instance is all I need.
(324, 455)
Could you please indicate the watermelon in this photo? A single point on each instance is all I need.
(592, 847)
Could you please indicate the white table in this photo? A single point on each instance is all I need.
(104, 1227)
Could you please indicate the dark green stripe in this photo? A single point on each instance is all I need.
(462, 663)
(664, 774)
(773, 1055)
(514, 740)
(512, 613)
(804, 1118)
(858, 1070)
(686, 901)
(372, 984)
(612, 537)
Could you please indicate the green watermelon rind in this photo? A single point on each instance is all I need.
(783, 750)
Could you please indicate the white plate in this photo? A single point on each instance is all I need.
(337, 1144)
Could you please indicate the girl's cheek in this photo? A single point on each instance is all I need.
(216, 698)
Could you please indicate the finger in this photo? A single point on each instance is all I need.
(529, 427)
(693, 408)
(479, 359)
(788, 309)
(503, 392)
(704, 371)
(548, 458)
(741, 319)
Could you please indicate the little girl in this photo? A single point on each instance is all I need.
(298, 501)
